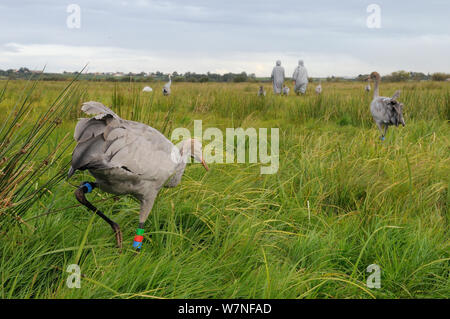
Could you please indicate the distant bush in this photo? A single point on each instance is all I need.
(335, 79)
(240, 77)
(345, 120)
(440, 76)
(398, 76)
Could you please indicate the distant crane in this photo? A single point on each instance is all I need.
(319, 88)
(386, 111)
(285, 90)
(261, 91)
(147, 89)
(166, 88)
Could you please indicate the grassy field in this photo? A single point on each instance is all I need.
(341, 199)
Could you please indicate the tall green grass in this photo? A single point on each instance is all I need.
(341, 200)
(28, 151)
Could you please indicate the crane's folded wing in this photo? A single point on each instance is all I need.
(142, 150)
(110, 142)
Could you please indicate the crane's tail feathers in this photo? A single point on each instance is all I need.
(396, 95)
(98, 109)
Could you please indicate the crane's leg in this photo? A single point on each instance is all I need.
(137, 243)
(385, 130)
(379, 125)
(146, 207)
(87, 187)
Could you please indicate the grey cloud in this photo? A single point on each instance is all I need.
(208, 28)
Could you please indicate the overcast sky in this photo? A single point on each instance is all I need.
(332, 37)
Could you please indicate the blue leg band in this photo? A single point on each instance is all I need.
(88, 186)
(137, 244)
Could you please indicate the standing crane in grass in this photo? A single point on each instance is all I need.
(319, 87)
(386, 111)
(285, 90)
(261, 91)
(127, 157)
(166, 87)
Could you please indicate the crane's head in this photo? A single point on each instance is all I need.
(193, 148)
(374, 76)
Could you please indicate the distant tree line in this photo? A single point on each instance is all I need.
(402, 76)
(25, 73)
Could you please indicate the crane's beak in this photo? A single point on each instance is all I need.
(204, 165)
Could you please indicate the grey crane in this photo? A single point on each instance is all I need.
(166, 87)
(285, 90)
(367, 88)
(127, 157)
(319, 88)
(386, 111)
(261, 91)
